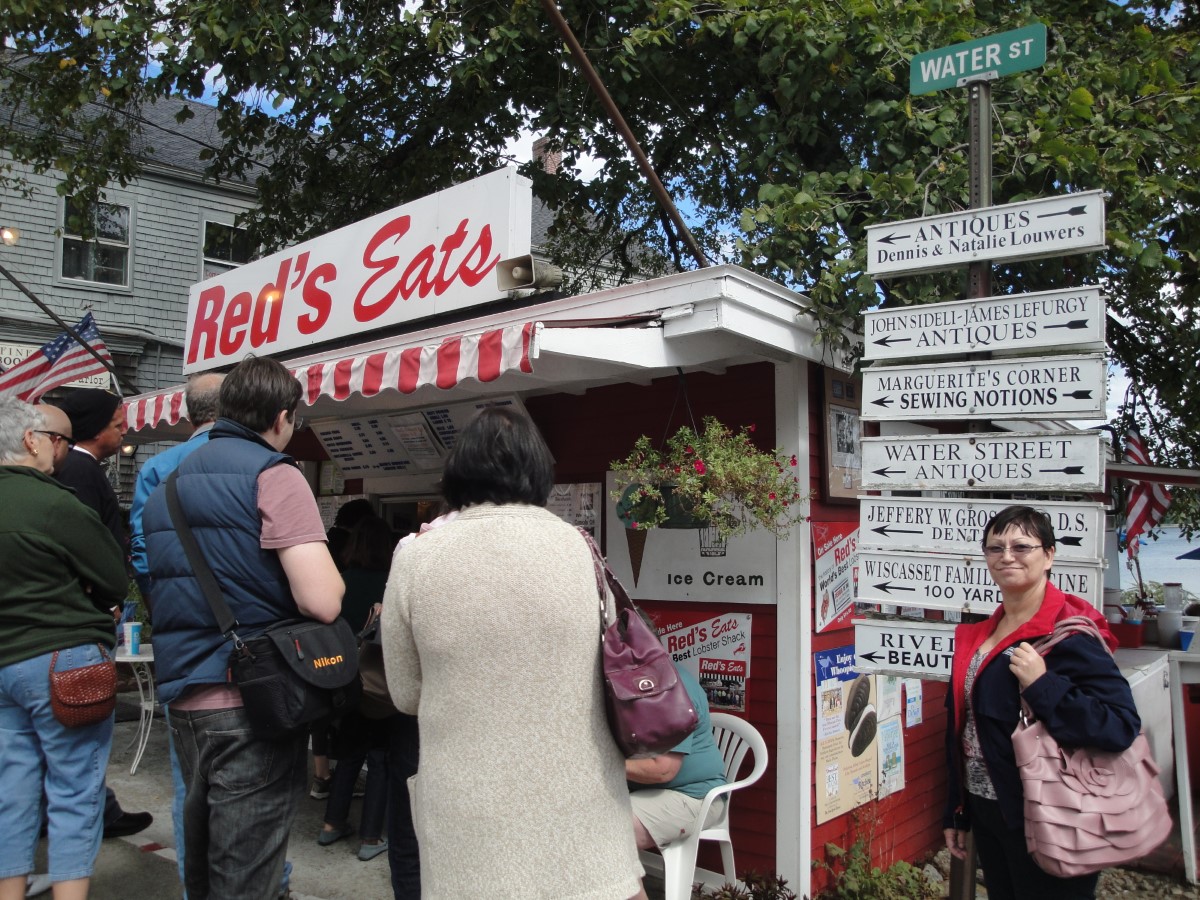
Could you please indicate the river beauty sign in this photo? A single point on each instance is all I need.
(1044, 387)
(963, 583)
(1068, 461)
(982, 59)
(1051, 226)
(908, 649)
(955, 525)
(1070, 318)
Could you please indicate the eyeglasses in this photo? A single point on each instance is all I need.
(55, 436)
(298, 423)
(1016, 549)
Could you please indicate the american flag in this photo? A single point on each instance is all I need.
(57, 363)
(1147, 501)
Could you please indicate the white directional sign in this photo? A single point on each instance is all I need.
(956, 582)
(905, 648)
(1052, 226)
(1047, 320)
(984, 462)
(948, 525)
(1043, 387)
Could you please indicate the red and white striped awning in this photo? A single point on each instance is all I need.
(404, 368)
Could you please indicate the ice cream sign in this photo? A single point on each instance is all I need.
(425, 258)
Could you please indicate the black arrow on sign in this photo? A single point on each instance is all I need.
(887, 531)
(1069, 470)
(1079, 395)
(1073, 211)
(873, 656)
(888, 340)
(886, 473)
(892, 238)
(1072, 541)
(883, 401)
(887, 587)
(1074, 324)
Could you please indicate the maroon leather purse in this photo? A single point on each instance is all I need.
(649, 710)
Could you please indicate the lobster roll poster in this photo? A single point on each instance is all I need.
(847, 774)
(713, 648)
(835, 552)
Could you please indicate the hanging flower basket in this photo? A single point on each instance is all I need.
(716, 479)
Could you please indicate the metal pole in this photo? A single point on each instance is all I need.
(64, 326)
(601, 92)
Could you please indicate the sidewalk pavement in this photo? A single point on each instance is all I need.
(143, 865)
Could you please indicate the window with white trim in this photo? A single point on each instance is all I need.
(225, 247)
(104, 256)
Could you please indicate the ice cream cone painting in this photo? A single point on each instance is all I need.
(635, 539)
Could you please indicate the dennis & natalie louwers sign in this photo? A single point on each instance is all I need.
(425, 258)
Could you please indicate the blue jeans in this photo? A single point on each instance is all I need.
(242, 794)
(39, 755)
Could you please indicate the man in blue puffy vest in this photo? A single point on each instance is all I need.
(257, 524)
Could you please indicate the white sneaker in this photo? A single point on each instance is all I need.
(37, 884)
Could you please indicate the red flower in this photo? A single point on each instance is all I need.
(751, 427)
(688, 450)
(677, 470)
(771, 495)
(699, 466)
(793, 462)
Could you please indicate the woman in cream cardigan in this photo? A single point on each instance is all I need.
(491, 637)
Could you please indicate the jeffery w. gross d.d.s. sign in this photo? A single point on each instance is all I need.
(428, 257)
(1050, 226)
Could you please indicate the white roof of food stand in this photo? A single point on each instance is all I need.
(706, 319)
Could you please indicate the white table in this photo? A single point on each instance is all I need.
(145, 685)
(1185, 670)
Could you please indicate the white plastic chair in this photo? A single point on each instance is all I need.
(734, 737)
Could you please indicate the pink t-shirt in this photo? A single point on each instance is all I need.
(289, 517)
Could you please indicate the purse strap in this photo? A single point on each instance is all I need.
(226, 621)
(604, 575)
(1063, 629)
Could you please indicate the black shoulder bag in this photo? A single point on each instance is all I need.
(292, 674)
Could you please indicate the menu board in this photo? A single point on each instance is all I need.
(399, 443)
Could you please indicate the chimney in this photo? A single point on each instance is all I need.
(550, 159)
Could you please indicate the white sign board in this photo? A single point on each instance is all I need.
(435, 255)
(957, 582)
(956, 525)
(1051, 226)
(984, 462)
(11, 354)
(905, 648)
(1043, 387)
(1051, 319)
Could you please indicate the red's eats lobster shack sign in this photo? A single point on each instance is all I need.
(424, 258)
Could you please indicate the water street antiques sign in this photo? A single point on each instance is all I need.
(905, 648)
(1049, 319)
(949, 525)
(964, 583)
(984, 462)
(982, 59)
(1050, 226)
(1044, 387)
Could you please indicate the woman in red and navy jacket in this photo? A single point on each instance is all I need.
(1077, 691)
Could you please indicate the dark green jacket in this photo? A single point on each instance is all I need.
(53, 549)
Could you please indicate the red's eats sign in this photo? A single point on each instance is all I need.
(421, 259)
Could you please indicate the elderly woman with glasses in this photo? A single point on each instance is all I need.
(62, 573)
(1076, 690)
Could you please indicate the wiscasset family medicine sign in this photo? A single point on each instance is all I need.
(432, 256)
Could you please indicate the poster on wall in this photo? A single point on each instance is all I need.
(843, 436)
(835, 550)
(577, 504)
(713, 648)
(891, 756)
(847, 725)
(689, 563)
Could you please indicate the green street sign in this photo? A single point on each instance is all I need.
(979, 60)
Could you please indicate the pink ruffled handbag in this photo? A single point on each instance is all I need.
(1086, 810)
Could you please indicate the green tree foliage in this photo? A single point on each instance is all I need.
(784, 127)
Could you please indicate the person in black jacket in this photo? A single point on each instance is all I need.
(1077, 692)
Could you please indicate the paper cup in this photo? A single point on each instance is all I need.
(133, 638)
(1187, 631)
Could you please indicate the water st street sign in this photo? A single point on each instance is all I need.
(955, 525)
(982, 59)
(907, 649)
(1050, 226)
(1069, 461)
(1049, 319)
(1044, 387)
(932, 581)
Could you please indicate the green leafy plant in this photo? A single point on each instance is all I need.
(716, 477)
(757, 886)
(855, 878)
